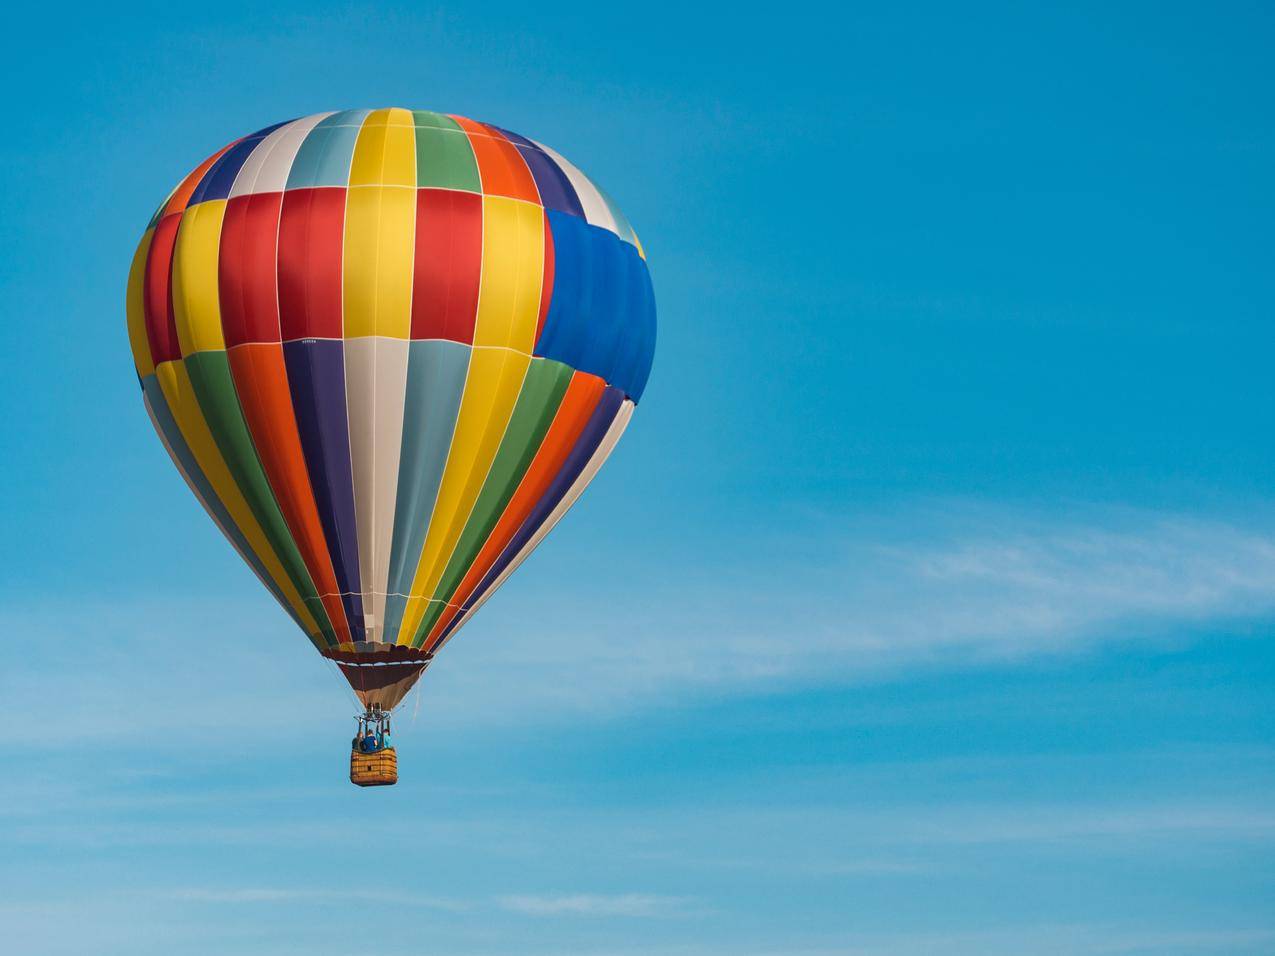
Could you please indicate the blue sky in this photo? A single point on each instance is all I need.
(926, 606)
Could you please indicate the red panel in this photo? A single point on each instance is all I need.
(248, 276)
(546, 286)
(261, 382)
(578, 403)
(311, 237)
(449, 258)
(157, 291)
(503, 170)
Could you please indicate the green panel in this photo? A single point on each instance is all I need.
(215, 390)
(429, 118)
(538, 402)
(444, 158)
(207, 494)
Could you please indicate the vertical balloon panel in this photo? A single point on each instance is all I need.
(387, 350)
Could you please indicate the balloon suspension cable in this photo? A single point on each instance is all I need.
(373, 722)
(332, 666)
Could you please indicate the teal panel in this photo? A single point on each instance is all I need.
(538, 402)
(325, 156)
(436, 373)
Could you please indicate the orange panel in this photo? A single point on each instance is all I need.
(261, 381)
(503, 170)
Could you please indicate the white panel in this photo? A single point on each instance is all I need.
(590, 471)
(273, 175)
(375, 387)
(622, 227)
(596, 209)
(261, 170)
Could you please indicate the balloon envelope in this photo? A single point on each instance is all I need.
(387, 350)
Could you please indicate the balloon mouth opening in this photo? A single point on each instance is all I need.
(381, 677)
(368, 653)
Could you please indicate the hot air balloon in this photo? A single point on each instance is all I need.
(387, 350)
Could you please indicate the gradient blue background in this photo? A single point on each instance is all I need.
(926, 607)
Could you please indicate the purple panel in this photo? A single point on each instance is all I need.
(316, 378)
(513, 137)
(556, 191)
(220, 177)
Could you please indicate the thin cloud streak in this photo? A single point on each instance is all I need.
(1059, 939)
(592, 904)
(575, 904)
(974, 586)
(957, 586)
(269, 895)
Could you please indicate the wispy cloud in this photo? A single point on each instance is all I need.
(574, 904)
(833, 600)
(592, 904)
(952, 585)
(252, 895)
(1052, 939)
(256, 895)
(1028, 823)
(1066, 579)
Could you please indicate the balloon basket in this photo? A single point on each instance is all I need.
(378, 769)
(373, 762)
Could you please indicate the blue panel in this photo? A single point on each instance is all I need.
(627, 337)
(637, 349)
(601, 312)
(325, 156)
(640, 370)
(565, 327)
(608, 305)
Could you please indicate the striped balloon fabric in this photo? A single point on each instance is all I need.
(388, 349)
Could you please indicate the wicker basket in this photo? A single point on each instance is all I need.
(378, 769)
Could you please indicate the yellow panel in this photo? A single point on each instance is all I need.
(196, 299)
(137, 339)
(491, 389)
(512, 274)
(380, 227)
(380, 242)
(385, 153)
(174, 382)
